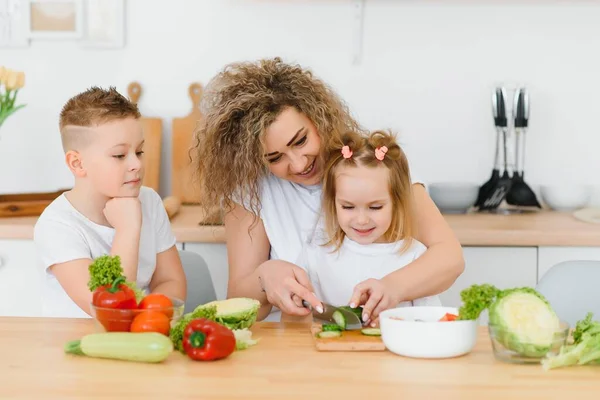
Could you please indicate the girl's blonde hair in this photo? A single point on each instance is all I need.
(239, 104)
(364, 151)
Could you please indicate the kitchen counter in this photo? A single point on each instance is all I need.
(546, 228)
(283, 365)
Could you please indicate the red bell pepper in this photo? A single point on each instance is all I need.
(115, 304)
(206, 340)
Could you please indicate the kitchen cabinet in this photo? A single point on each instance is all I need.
(503, 267)
(20, 279)
(550, 256)
(215, 255)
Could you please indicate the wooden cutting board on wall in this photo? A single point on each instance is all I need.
(153, 140)
(182, 137)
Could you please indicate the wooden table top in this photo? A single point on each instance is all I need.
(283, 365)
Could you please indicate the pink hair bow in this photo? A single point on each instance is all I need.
(346, 152)
(380, 152)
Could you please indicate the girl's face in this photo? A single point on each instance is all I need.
(363, 203)
(292, 148)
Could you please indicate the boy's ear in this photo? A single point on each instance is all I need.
(75, 164)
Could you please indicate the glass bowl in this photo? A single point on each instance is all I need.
(508, 348)
(120, 320)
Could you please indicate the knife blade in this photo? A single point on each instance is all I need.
(352, 320)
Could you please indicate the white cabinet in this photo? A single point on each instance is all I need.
(215, 255)
(20, 279)
(503, 267)
(550, 256)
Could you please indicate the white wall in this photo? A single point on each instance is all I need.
(428, 68)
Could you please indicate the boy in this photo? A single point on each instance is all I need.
(108, 211)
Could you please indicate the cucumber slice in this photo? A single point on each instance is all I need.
(329, 334)
(371, 331)
(339, 319)
(356, 310)
(330, 327)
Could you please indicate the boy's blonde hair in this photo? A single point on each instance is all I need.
(364, 154)
(239, 104)
(90, 108)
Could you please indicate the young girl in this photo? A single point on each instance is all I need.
(367, 228)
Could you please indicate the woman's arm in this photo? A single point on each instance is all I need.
(245, 252)
(252, 274)
(437, 269)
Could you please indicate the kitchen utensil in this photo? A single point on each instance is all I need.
(352, 320)
(520, 193)
(349, 341)
(493, 192)
(182, 138)
(152, 141)
(402, 334)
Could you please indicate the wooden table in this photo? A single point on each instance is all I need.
(284, 365)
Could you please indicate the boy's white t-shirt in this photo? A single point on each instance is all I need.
(63, 234)
(335, 274)
(289, 212)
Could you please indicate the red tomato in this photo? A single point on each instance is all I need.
(151, 321)
(449, 317)
(158, 302)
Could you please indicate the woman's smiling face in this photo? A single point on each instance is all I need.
(292, 148)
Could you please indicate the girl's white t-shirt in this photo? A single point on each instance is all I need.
(63, 234)
(289, 212)
(335, 274)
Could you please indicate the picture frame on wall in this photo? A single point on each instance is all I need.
(104, 24)
(53, 19)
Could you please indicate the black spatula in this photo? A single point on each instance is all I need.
(495, 189)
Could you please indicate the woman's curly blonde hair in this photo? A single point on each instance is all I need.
(239, 104)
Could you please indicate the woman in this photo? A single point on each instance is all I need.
(259, 153)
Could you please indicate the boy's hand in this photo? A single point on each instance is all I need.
(377, 296)
(124, 213)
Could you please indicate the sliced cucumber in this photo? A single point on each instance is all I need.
(371, 331)
(339, 319)
(330, 327)
(329, 334)
(356, 310)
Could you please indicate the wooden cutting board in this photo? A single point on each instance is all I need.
(349, 341)
(26, 204)
(182, 138)
(153, 141)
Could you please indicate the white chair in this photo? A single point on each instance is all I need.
(200, 288)
(572, 289)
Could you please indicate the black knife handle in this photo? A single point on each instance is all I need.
(499, 108)
(521, 109)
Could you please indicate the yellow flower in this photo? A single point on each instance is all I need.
(2, 73)
(20, 79)
(11, 80)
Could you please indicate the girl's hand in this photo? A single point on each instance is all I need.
(376, 296)
(286, 285)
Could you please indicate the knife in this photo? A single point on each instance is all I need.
(352, 320)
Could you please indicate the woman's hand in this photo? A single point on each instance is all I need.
(376, 296)
(286, 285)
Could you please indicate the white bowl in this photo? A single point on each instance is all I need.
(566, 197)
(428, 339)
(454, 198)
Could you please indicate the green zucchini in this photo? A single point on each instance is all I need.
(330, 327)
(329, 334)
(150, 347)
(371, 331)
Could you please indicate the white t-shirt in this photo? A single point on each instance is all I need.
(289, 213)
(63, 234)
(335, 274)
